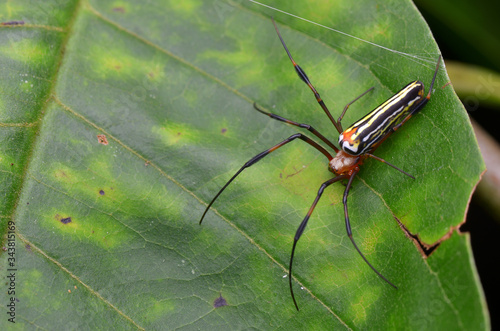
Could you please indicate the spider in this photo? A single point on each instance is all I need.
(357, 143)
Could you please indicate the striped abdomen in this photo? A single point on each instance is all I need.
(360, 137)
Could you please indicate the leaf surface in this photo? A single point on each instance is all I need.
(120, 121)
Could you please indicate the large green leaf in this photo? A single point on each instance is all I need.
(107, 235)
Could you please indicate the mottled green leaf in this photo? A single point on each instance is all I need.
(120, 120)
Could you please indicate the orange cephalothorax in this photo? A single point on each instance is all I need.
(344, 163)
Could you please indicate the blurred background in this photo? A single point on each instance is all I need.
(468, 34)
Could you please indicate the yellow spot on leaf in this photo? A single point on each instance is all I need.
(177, 133)
(118, 61)
(361, 305)
(25, 50)
(104, 231)
(65, 175)
(159, 309)
(184, 6)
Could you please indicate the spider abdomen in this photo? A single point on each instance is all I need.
(363, 135)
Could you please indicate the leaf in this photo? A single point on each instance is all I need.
(468, 80)
(120, 121)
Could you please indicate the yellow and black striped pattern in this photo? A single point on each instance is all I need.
(360, 137)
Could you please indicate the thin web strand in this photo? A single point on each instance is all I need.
(412, 57)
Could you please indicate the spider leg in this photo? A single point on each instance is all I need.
(306, 80)
(389, 164)
(349, 232)
(349, 104)
(303, 225)
(259, 156)
(300, 125)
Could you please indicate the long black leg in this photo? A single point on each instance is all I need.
(300, 125)
(306, 80)
(303, 225)
(258, 157)
(349, 232)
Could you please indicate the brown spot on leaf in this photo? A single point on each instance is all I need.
(61, 173)
(101, 192)
(102, 139)
(28, 247)
(119, 10)
(224, 130)
(219, 302)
